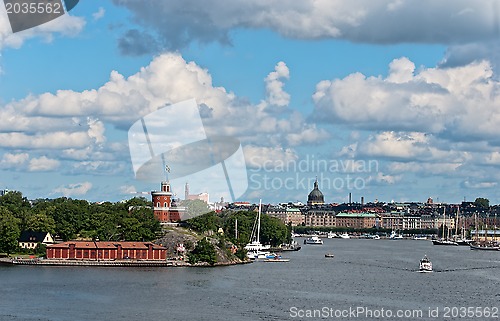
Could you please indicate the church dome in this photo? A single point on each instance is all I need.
(315, 197)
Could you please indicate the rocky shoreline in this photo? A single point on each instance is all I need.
(171, 239)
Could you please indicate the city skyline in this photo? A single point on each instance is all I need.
(393, 100)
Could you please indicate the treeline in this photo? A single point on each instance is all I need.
(272, 230)
(68, 219)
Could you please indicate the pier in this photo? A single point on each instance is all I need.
(117, 263)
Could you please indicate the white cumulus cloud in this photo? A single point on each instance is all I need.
(73, 189)
(43, 164)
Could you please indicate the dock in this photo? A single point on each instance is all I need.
(110, 263)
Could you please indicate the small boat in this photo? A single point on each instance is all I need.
(273, 256)
(313, 240)
(294, 246)
(370, 237)
(395, 236)
(329, 255)
(485, 246)
(345, 236)
(256, 254)
(277, 260)
(444, 242)
(331, 235)
(425, 265)
(420, 238)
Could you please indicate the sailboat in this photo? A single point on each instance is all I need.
(462, 239)
(444, 240)
(484, 245)
(256, 250)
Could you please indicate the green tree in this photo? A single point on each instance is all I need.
(483, 203)
(272, 231)
(41, 222)
(205, 223)
(138, 201)
(204, 251)
(149, 224)
(9, 231)
(17, 205)
(131, 229)
(246, 220)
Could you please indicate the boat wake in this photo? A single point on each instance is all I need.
(413, 270)
(470, 269)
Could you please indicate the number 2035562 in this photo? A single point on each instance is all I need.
(470, 312)
(33, 8)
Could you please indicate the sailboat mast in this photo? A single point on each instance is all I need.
(456, 223)
(477, 231)
(236, 229)
(444, 221)
(495, 230)
(258, 221)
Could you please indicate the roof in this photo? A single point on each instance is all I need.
(315, 195)
(347, 215)
(30, 236)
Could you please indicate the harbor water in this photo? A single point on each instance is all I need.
(365, 280)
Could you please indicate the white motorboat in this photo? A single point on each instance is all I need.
(395, 236)
(331, 235)
(345, 236)
(313, 240)
(425, 265)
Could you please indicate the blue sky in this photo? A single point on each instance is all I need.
(409, 86)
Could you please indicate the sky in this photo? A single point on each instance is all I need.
(390, 100)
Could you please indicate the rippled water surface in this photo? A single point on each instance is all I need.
(364, 274)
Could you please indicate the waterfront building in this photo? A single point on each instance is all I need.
(286, 214)
(30, 239)
(356, 220)
(412, 222)
(426, 222)
(315, 197)
(320, 216)
(164, 208)
(449, 222)
(392, 220)
(95, 250)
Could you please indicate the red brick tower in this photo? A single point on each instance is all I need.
(164, 210)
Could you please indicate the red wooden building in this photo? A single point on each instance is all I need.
(89, 250)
